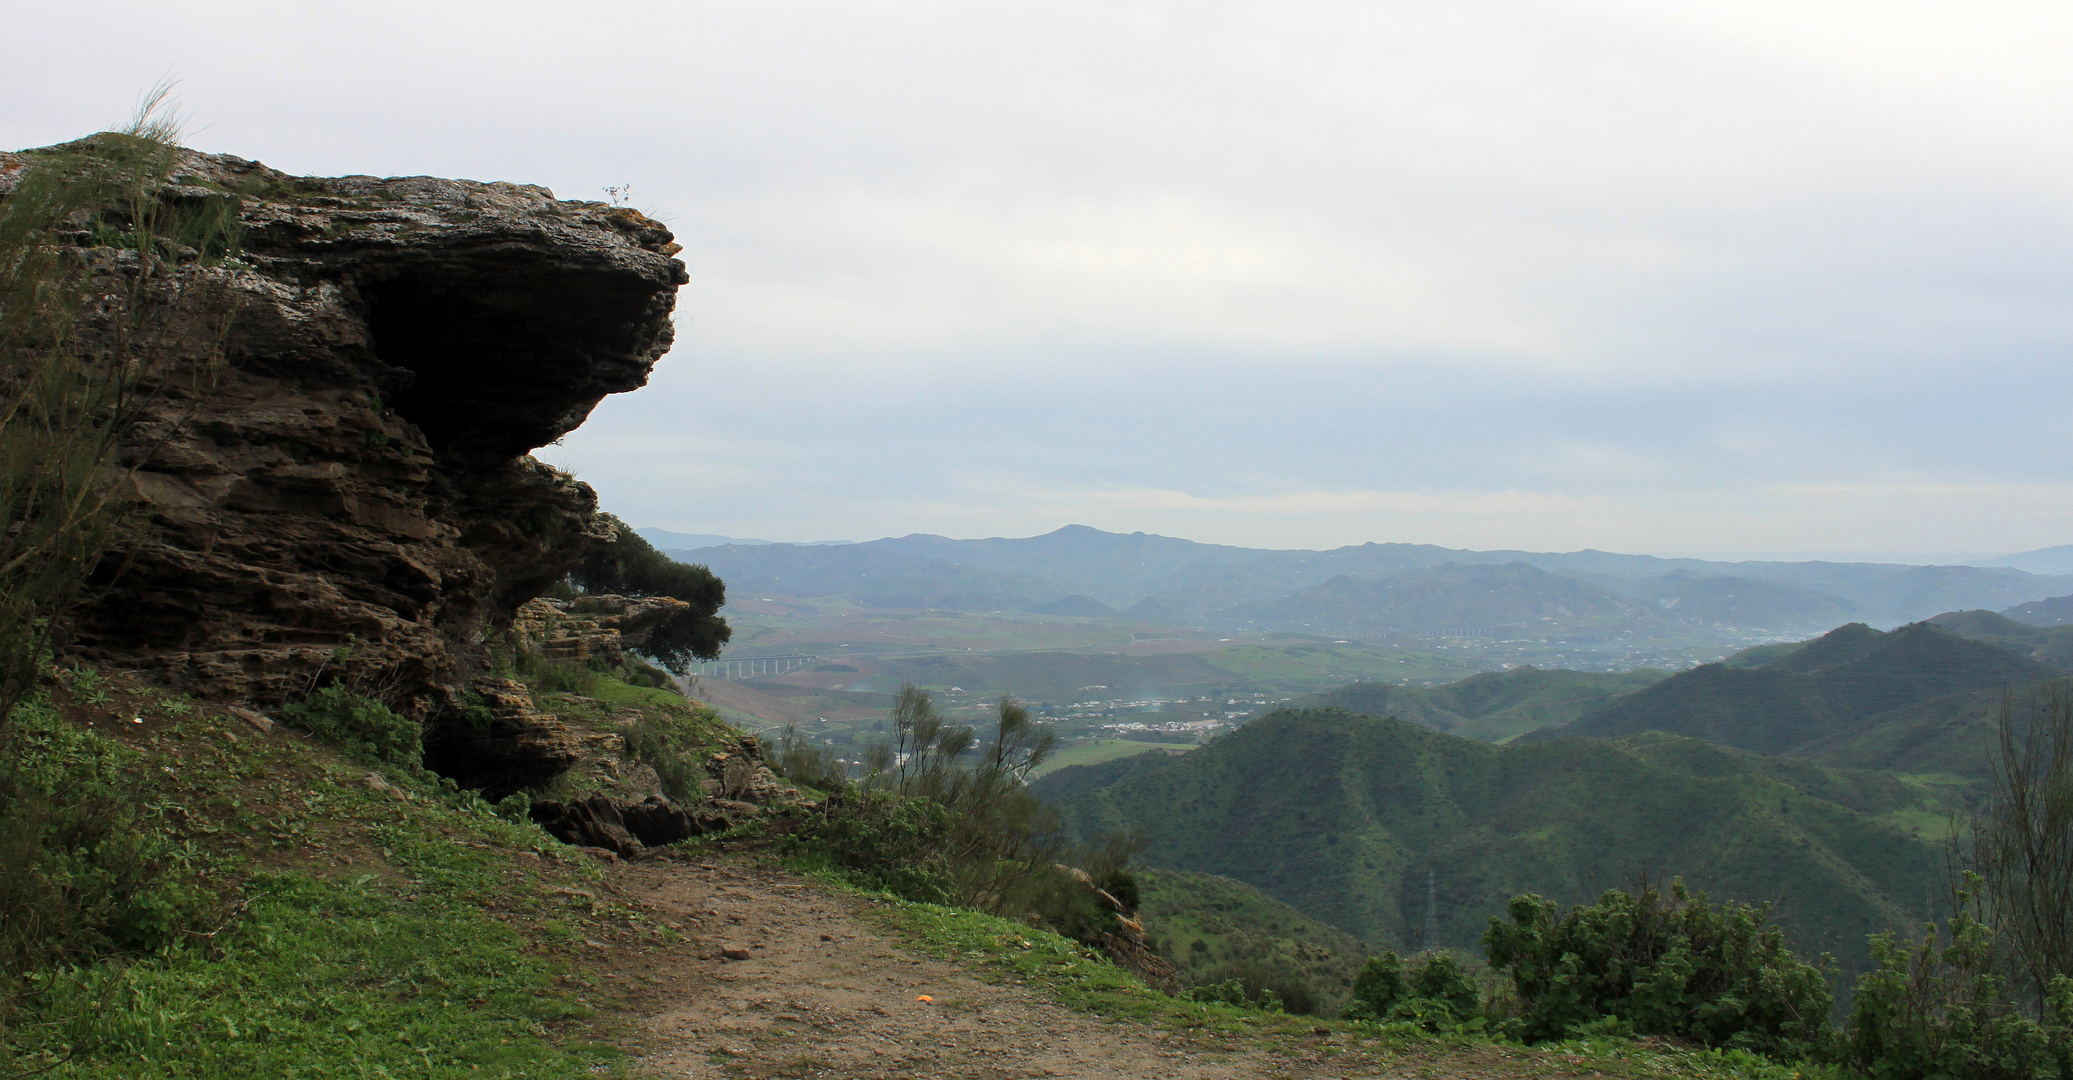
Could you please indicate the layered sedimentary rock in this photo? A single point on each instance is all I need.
(347, 494)
(594, 628)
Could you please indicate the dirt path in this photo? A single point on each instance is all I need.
(823, 994)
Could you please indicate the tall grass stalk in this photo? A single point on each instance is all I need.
(106, 299)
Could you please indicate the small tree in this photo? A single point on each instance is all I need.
(630, 566)
(1433, 992)
(1937, 1007)
(1665, 965)
(2022, 846)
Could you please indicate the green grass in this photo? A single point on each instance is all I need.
(379, 931)
(1304, 667)
(1072, 975)
(1096, 751)
(329, 977)
(1063, 970)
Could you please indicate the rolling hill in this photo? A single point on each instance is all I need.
(1342, 816)
(1455, 595)
(871, 574)
(1833, 685)
(2051, 645)
(1493, 706)
(2053, 611)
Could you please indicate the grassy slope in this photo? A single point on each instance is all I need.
(393, 927)
(1072, 975)
(1493, 706)
(386, 925)
(1096, 751)
(1340, 816)
(1212, 928)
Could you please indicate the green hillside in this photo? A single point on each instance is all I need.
(2056, 611)
(1342, 815)
(1214, 928)
(2046, 644)
(1096, 751)
(1831, 686)
(1493, 706)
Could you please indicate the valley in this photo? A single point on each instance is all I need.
(1388, 758)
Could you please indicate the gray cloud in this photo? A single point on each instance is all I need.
(1642, 276)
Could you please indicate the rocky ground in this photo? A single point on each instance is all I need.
(779, 977)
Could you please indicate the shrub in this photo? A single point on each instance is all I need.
(1938, 1008)
(1664, 965)
(2022, 845)
(673, 748)
(802, 762)
(87, 868)
(360, 727)
(1236, 991)
(1434, 993)
(85, 349)
(882, 841)
(552, 675)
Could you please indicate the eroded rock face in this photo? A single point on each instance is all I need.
(349, 495)
(599, 628)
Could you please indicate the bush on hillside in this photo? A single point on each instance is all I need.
(630, 566)
(360, 727)
(2022, 845)
(553, 675)
(1937, 1007)
(886, 841)
(87, 870)
(1435, 992)
(1662, 965)
(674, 749)
(1244, 991)
(808, 763)
(943, 816)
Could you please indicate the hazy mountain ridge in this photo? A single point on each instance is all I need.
(1453, 595)
(1169, 579)
(2054, 611)
(1493, 706)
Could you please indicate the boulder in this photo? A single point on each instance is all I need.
(626, 828)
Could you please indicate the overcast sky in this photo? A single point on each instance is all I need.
(1760, 276)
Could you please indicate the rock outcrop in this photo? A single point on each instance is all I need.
(594, 628)
(348, 494)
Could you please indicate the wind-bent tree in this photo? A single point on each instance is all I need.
(630, 566)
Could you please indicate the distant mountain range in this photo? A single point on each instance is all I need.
(663, 538)
(1368, 588)
(2051, 560)
(1343, 816)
